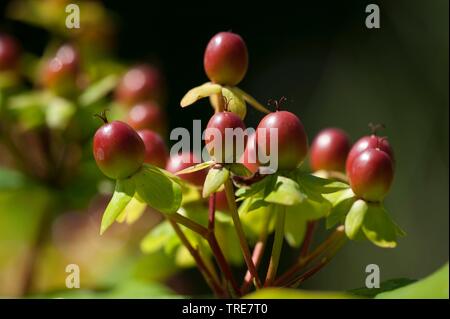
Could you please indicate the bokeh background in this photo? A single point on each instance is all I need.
(334, 72)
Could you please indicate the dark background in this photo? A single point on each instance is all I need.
(334, 72)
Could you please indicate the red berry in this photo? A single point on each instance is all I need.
(371, 174)
(9, 52)
(249, 157)
(181, 161)
(118, 150)
(60, 72)
(147, 115)
(329, 150)
(140, 83)
(226, 59)
(368, 142)
(292, 140)
(216, 136)
(155, 148)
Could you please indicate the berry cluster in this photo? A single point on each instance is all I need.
(230, 198)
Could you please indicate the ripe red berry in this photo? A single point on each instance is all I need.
(226, 59)
(9, 52)
(371, 174)
(329, 150)
(292, 140)
(155, 149)
(60, 72)
(118, 150)
(368, 142)
(140, 83)
(181, 161)
(222, 135)
(147, 115)
(249, 157)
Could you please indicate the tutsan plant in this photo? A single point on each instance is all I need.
(231, 205)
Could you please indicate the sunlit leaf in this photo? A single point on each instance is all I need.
(59, 112)
(251, 100)
(157, 238)
(285, 191)
(123, 194)
(200, 92)
(355, 218)
(235, 100)
(284, 293)
(195, 168)
(385, 286)
(216, 177)
(435, 286)
(134, 210)
(157, 189)
(380, 229)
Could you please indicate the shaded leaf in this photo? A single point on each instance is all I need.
(385, 286)
(157, 238)
(239, 169)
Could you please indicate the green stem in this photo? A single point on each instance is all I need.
(240, 231)
(277, 246)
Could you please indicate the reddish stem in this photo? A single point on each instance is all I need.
(310, 228)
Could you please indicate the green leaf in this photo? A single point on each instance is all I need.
(235, 100)
(338, 212)
(435, 286)
(294, 227)
(200, 92)
(216, 177)
(284, 192)
(257, 221)
(133, 211)
(318, 184)
(195, 168)
(11, 179)
(355, 218)
(239, 169)
(98, 90)
(123, 194)
(251, 100)
(157, 238)
(59, 112)
(380, 229)
(284, 293)
(246, 192)
(385, 286)
(157, 189)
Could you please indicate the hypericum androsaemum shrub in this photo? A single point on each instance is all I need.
(228, 208)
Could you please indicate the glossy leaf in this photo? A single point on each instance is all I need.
(200, 92)
(216, 177)
(157, 189)
(123, 194)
